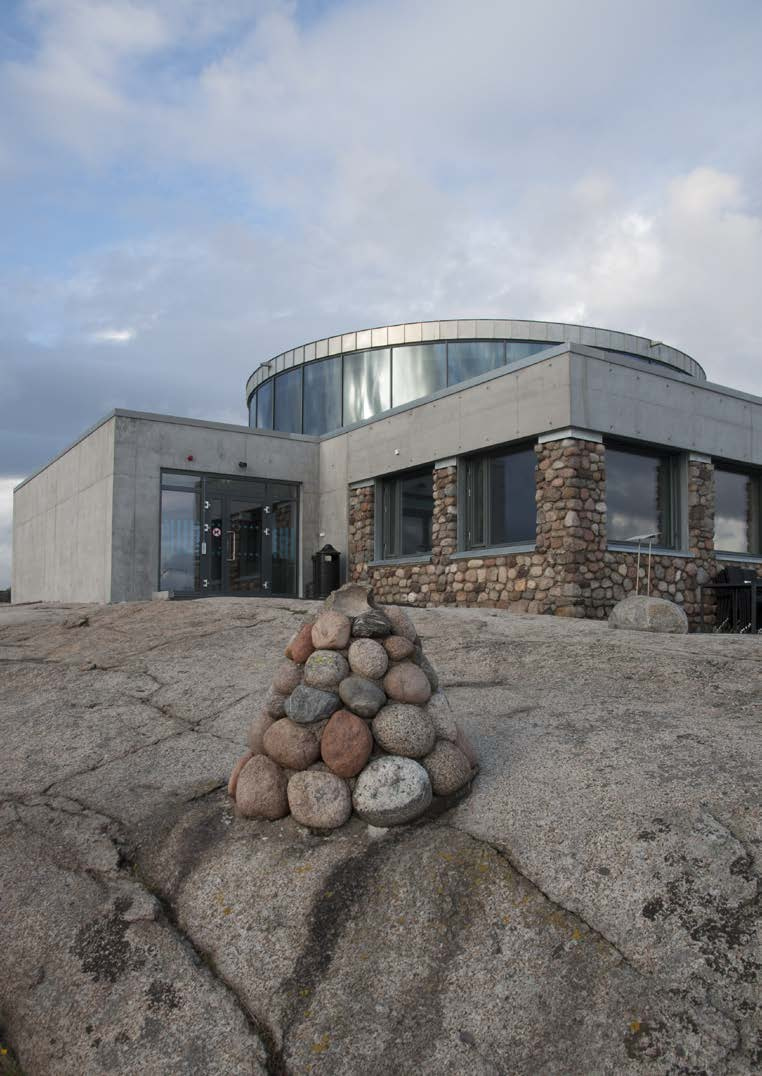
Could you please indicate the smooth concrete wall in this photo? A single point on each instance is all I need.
(62, 519)
(146, 444)
(621, 399)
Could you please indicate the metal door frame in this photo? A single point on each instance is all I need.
(208, 479)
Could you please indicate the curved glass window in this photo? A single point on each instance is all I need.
(523, 349)
(288, 401)
(417, 370)
(469, 358)
(322, 396)
(367, 384)
(265, 406)
(253, 410)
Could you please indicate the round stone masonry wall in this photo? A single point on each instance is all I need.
(353, 723)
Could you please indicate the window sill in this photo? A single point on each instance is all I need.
(739, 558)
(494, 551)
(656, 551)
(401, 561)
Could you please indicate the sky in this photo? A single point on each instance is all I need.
(187, 188)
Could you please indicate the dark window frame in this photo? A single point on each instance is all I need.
(672, 507)
(389, 515)
(477, 524)
(755, 537)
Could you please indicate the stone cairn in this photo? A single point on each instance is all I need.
(354, 719)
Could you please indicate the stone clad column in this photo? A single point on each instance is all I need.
(444, 531)
(361, 550)
(571, 521)
(700, 536)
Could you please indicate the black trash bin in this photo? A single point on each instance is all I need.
(326, 571)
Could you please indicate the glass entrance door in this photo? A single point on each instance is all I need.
(249, 537)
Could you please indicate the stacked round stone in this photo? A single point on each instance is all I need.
(354, 720)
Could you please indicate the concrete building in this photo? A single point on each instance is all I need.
(498, 463)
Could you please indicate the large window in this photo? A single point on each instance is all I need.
(407, 507)
(367, 384)
(642, 496)
(288, 401)
(180, 532)
(736, 512)
(500, 498)
(322, 396)
(418, 370)
(467, 359)
(265, 406)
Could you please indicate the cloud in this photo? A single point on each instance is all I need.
(190, 188)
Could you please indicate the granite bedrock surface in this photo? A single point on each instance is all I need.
(592, 907)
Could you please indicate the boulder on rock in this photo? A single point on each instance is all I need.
(346, 744)
(447, 767)
(319, 799)
(300, 646)
(331, 631)
(407, 682)
(391, 791)
(368, 658)
(294, 746)
(261, 789)
(308, 704)
(641, 613)
(403, 729)
(362, 696)
(325, 669)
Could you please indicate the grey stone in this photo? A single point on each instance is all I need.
(368, 658)
(640, 613)
(361, 696)
(423, 663)
(325, 669)
(275, 704)
(401, 622)
(447, 767)
(352, 599)
(371, 625)
(288, 675)
(309, 704)
(404, 729)
(319, 799)
(442, 716)
(391, 791)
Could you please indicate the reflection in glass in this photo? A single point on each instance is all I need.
(417, 509)
(736, 512)
(523, 349)
(366, 385)
(511, 492)
(639, 496)
(180, 538)
(322, 396)
(265, 406)
(288, 401)
(253, 410)
(469, 358)
(284, 566)
(418, 370)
